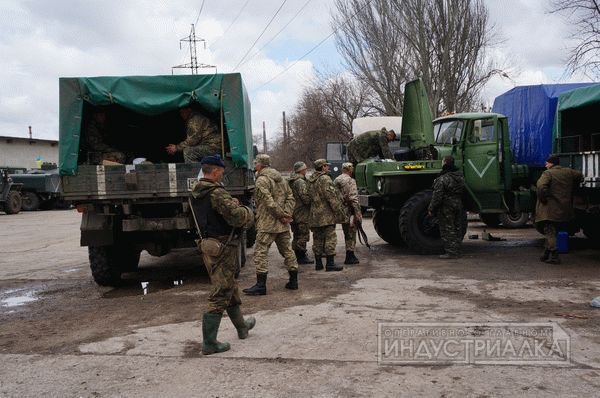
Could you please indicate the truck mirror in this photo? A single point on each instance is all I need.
(476, 136)
(344, 150)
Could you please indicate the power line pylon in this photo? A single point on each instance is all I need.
(193, 65)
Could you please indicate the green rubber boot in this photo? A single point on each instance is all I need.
(210, 328)
(242, 325)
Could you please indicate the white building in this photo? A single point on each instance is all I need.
(27, 152)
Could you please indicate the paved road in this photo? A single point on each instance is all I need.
(69, 337)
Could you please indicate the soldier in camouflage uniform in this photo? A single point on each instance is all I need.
(347, 188)
(95, 136)
(326, 211)
(203, 137)
(220, 219)
(301, 216)
(446, 204)
(371, 144)
(274, 207)
(554, 208)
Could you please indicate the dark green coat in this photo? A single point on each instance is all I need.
(555, 194)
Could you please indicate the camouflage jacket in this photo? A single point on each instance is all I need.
(234, 214)
(448, 190)
(347, 187)
(369, 145)
(555, 194)
(326, 206)
(299, 188)
(95, 136)
(274, 200)
(201, 131)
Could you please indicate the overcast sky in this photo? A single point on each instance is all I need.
(41, 41)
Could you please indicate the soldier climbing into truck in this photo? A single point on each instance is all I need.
(371, 144)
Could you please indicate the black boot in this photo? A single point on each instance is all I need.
(260, 289)
(318, 263)
(545, 256)
(351, 258)
(242, 325)
(553, 258)
(210, 328)
(302, 257)
(293, 282)
(330, 266)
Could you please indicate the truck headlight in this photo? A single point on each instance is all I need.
(379, 184)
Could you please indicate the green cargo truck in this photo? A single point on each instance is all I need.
(143, 204)
(400, 190)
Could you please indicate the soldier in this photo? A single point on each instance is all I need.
(554, 206)
(347, 188)
(301, 216)
(202, 139)
(371, 144)
(274, 207)
(446, 204)
(220, 219)
(326, 211)
(96, 133)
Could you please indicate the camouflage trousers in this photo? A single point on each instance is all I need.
(550, 229)
(324, 240)
(301, 233)
(349, 236)
(450, 220)
(221, 270)
(196, 153)
(284, 246)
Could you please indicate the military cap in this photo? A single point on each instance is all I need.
(299, 166)
(214, 160)
(553, 159)
(263, 159)
(320, 163)
(347, 166)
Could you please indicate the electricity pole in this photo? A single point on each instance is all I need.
(193, 65)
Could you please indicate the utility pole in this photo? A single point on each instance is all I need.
(264, 138)
(193, 65)
(285, 136)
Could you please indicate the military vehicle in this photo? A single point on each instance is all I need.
(40, 188)
(143, 204)
(400, 190)
(10, 194)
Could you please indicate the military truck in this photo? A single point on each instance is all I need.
(400, 190)
(40, 189)
(143, 204)
(10, 194)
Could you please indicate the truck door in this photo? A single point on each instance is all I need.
(481, 164)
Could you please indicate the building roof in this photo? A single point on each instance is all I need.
(27, 140)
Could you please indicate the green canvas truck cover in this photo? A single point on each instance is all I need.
(153, 95)
(582, 104)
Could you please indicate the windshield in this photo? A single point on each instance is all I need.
(448, 131)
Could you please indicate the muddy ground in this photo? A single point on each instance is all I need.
(62, 335)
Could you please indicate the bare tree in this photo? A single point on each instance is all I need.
(388, 42)
(584, 15)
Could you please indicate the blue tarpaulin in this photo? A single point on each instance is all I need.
(531, 111)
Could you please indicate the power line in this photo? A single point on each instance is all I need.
(314, 48)
(261, 34)
(277, 34)
(199, 12)
(232, 22)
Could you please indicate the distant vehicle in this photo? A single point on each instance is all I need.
(10, 194)
(40, 188)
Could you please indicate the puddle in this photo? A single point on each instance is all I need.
(18, 300)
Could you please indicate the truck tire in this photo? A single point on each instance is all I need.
(491, 220)
(385, 222)
(104, 270)
(13, 202)
(420, 231)
(514, 220)
(31, 201)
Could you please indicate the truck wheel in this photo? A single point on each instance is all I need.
(104, 271)
(31, 201)
(491, 220)
(514, 220)
(385, 222)
(420, 231)
(13, 202)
